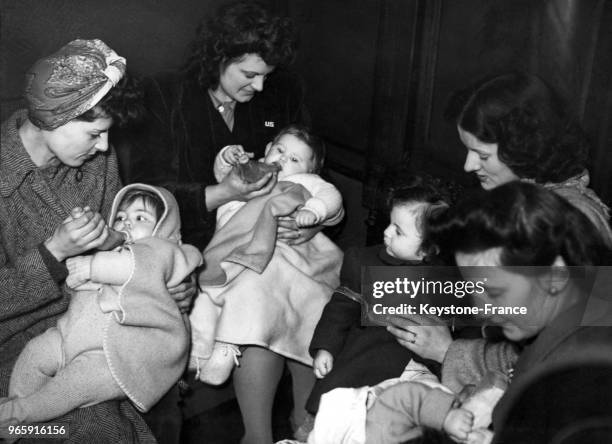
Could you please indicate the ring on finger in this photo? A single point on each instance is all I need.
(414, 336)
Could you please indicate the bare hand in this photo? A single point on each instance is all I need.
(184, 292)
(232, 187)
(305, 218)
(323, 363)
(235, 154)
(418, 335)
(458, 424)
(289, 232)
(75, 235)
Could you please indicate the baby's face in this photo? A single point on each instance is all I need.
(291, 154)
(137, 219)
(402, 236)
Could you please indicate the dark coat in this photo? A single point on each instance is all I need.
(33, 202)
(564, 341)
(177, 145)
(363, 355)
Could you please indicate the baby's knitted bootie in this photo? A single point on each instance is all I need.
(217, 369)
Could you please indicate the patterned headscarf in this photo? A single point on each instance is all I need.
(70, 82)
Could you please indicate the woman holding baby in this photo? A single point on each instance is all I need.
(58, 177)
(516, 128)
(232, 90)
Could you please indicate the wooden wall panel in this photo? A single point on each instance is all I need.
(474, 41)
(337, 59)
(567, 42)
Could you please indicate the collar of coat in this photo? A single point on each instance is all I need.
(16, 164)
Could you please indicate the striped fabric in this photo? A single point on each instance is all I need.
(32, 203)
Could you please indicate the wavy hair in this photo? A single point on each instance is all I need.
(236, 30)
(530, 224)
(536, 135)
(434, 198)
(124, 103)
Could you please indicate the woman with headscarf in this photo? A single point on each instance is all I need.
(55, 159)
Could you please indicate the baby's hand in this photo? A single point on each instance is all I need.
(235, 154)
(305, 218)
(323, 363)
(458, 424)
(79, 270)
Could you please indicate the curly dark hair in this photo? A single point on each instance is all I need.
(313, 141)
(536, 135)
(531, 224)
(124, 103)
(238, 29)
(422, 189)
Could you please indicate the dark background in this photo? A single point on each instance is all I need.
(378, 72)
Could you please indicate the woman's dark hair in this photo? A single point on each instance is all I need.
(537, 137)
(530, 224)
(314, 142)
(238, 29)
(424, 190)
(124, 103)
(149, 198)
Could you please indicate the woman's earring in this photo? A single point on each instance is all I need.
(553, 290)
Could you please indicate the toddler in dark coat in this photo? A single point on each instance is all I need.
(347, 354)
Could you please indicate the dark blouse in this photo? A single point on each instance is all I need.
(177, 145)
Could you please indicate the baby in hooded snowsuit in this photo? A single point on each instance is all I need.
(122, 335)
